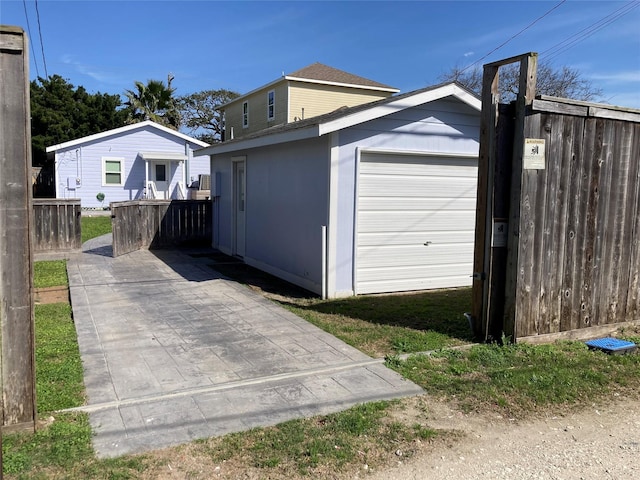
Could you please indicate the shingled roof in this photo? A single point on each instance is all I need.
(324, 73)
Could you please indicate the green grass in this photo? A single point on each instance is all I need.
(59, 445)
(59, 377)
(365, 433)
(522, 379)
(62, 449)
(50, 273)
(381, 325)
(93, 227)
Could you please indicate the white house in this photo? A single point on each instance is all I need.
(374, 198)
(142, 160)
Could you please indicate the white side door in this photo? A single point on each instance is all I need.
(239, 206)
(160, 177)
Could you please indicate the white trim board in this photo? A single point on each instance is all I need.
(127, 128)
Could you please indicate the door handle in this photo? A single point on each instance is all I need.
(426, 244)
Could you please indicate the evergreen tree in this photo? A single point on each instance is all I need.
(61, 112)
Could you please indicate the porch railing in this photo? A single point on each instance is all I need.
(182, 194)
(152, 192)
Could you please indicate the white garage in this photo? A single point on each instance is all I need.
(368, 199)
(415, 221)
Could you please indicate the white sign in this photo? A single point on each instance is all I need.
(533, 158)
(499, 236)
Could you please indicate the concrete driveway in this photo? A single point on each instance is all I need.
(173, 351)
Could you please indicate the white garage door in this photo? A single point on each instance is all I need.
(416, 218)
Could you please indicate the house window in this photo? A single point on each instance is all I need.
(245, 114)
(271, 105)
(113, 171)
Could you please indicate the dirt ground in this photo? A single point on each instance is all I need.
(598, 442)
(594, 443)
(51, 295)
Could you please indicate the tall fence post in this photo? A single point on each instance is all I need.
(17, 359)
(496, 217)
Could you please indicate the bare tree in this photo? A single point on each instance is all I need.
(563, 82)
(200, 114)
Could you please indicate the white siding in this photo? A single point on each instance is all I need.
(286, 207)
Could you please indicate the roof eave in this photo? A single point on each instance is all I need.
(263, 87)
(392, 106)
(340, 84)
(126, 128)
(261, 141)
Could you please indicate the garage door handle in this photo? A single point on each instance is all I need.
(426, 244)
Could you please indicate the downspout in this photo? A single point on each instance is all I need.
(185, 167)
(331, 236)
(146, 178)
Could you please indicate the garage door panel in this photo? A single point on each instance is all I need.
(417, 187)
(413, 255)
(416, 272)
(423, 283)
(403, 202)
(434, 221)
(406, 167)
(384, 239)
(400, 204)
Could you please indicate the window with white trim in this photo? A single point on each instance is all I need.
(271, 105)
(112, 171)
(245, 114)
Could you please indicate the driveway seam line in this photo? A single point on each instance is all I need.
(214, 388)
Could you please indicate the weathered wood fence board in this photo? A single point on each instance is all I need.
(572, 265)
(56, 225)
(160, 223)
(17, 343)
(578, 257)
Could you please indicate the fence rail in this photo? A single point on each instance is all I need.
(56, 225)
(160, 223)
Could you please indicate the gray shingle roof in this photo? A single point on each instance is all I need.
(325, 73)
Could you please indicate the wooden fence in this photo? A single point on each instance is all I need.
(56, 225)
(160, 223)
(563, 179)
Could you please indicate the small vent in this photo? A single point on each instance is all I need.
(204, 181)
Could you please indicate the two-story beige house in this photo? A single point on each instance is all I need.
(311, 91)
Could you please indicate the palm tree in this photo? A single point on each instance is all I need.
(153, 101)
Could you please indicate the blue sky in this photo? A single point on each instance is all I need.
(107, 45)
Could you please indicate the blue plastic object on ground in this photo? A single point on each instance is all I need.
(612, 345)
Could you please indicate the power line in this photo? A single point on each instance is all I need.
(513, 36)
(44, 61)
(585, 33)
(33, 52)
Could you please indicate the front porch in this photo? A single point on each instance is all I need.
(165, 176)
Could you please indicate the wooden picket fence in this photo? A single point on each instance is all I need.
(152, 224)
(56, 225)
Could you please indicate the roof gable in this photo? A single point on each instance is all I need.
(126, 128)
(345, 118)
(318, 72)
